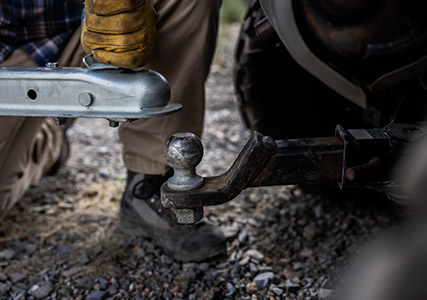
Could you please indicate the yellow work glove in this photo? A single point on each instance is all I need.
(120, 32)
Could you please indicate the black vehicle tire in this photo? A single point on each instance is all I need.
(278, 97)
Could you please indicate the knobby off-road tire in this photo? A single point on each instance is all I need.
(278, 97)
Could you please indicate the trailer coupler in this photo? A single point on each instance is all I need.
(98, 91)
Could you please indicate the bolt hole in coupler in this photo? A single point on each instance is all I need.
(97, 91)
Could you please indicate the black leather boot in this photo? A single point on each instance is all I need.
(142, 213)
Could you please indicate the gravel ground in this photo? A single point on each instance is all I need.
(61, 241)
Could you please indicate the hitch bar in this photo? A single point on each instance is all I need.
(352, 158)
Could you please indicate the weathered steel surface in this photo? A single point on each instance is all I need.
(353, 158)
(264, 162)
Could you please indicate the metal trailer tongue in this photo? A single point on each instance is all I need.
(98, 91)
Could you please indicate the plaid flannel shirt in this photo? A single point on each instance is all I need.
(39, 27)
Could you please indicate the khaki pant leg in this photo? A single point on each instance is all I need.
(29, 146)
(187, 32)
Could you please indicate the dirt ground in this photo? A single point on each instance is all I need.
(62, 242)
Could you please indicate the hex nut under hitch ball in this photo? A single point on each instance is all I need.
(187, 215)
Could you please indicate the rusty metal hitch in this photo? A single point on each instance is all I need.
(352, 158)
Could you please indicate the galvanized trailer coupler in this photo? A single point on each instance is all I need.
(352, 158)
(98, 91)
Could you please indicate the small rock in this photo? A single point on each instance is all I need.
(166, 259)
(112, 290)
(98, 295)
(253, 268)
(242, 237)
(297, 192)
(104, 173)
(277, 291)
(63, 250)
(263, 280)
(16, 277)
(30, 248)
(3, 288)
(138, 252)
(103, 283)
(252, 222)
(209, 295)
(223, 265)
(265, 269)
(235, 272)
(231, 290)
(21, 296)
(41, 291)
(251, 288)
(33, 288)
(16, 290)
(244, 261)
(306, 252)
(131, 287)
(90, 192)
(289, 273)
(185, 278)
(297, 266)
(296, 246)
(175, 290)
(188, 266)
(22, 286)
(292, 287)
(86, 284)
(124, 282)
(83, 259)
(255, 254)
(3, 277)
(70, 272)
(7, 254)
(60, 262)
(318, 211)
(309, 231)
(230, 231)
(204, 266)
